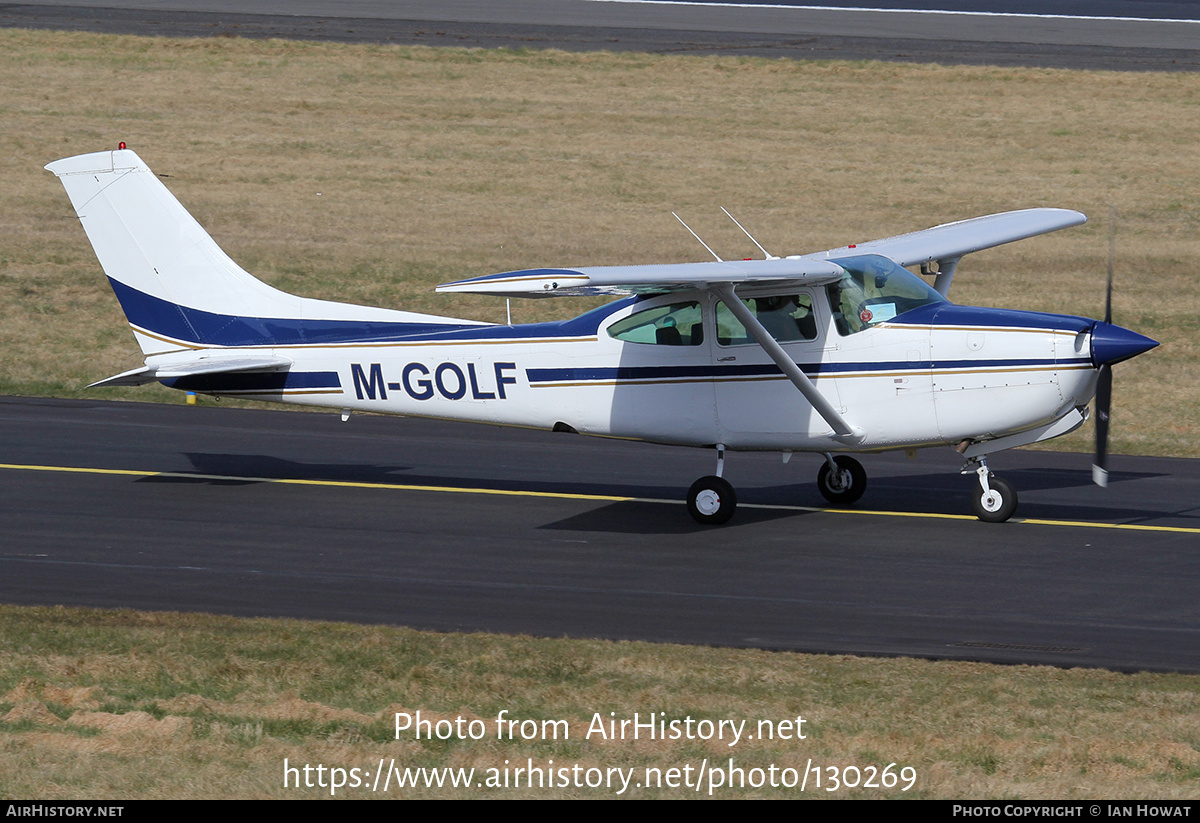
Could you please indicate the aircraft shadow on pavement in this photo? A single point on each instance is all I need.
(247, 469)
(649, 517)
(1081, 498)
(244, 469)
(1043, 479)
(935, 493)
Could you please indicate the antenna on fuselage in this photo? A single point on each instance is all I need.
(702, 243)
(766, 253)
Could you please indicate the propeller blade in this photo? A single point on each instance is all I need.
(1104, 381)
(1112, 252)
(1103, 404)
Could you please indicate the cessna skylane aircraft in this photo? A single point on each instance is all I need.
(834, 352)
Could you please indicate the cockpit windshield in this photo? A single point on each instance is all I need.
(873, 290)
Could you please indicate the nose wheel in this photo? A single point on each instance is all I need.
(995, 500)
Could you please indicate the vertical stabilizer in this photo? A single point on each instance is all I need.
(176, 286)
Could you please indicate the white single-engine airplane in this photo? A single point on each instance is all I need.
(834, 352)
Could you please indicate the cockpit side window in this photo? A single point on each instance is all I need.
(873, 290)
(676, 324)
(787, 318)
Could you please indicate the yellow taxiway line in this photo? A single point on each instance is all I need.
(1083, 524)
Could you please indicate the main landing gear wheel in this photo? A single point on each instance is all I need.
(996, 503)
(711, 500)
(844, 486)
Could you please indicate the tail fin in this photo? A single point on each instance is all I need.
(176, 286)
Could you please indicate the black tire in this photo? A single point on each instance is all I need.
(711, 501)
(849, 487)
(997, 506)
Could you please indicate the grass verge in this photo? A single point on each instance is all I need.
(121, 704)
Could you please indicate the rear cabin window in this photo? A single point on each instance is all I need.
(676, 324)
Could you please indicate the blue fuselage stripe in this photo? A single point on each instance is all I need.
(634, 373)
(257, 382)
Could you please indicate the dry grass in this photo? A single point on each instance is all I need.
(97, 704)
(369, 173)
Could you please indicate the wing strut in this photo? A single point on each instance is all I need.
(726, 294)
(945, 274)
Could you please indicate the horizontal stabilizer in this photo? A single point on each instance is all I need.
(193, 368)
(133, 377)
(654, 278)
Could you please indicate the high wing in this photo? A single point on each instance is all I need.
(946, 243)
(951, 241)
(655, 278)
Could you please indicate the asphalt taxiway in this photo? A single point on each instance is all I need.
(1053, 37)
(461, 527)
